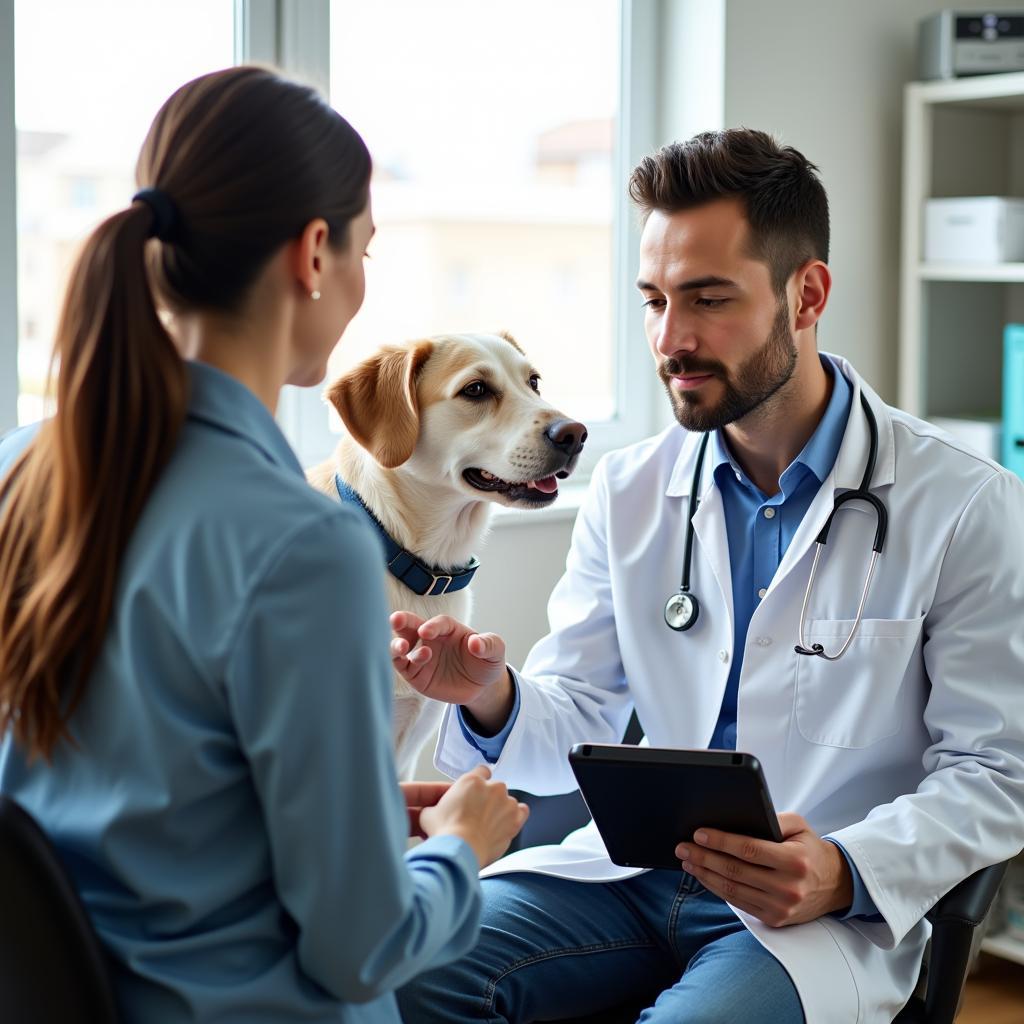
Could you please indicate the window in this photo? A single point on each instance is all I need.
(493, 189)
(497, 132)
(88, 79)
(502, 133)
(83, 192)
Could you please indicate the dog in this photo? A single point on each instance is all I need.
(438, 431)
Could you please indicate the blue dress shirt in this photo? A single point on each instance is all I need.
(230, 811)
(760, 528)
(759, 531)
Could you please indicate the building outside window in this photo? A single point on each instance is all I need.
(78, 133)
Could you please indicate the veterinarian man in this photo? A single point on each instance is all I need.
(899, 764)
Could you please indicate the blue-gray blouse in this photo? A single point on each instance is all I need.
(230, 811)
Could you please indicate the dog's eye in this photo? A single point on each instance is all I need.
(478, 389)
(535, 382)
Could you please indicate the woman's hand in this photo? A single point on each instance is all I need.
(800, 879)
(419, 795)
(479, 811)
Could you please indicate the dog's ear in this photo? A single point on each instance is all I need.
(377, 402)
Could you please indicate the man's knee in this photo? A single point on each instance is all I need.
(734, 979)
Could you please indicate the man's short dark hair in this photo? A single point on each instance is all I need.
(782, 196)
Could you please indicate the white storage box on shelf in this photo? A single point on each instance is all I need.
(974, 229)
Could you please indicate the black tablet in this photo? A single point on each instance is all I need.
(647, 800)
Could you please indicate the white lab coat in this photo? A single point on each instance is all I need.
(909, 750)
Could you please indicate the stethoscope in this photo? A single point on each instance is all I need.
(683, 608)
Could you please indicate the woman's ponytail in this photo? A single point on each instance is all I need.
(72, 500)
(235, 165)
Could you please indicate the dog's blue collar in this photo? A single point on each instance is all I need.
(419, 577)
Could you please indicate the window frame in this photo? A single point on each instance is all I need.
(8, 226)
(295, 36)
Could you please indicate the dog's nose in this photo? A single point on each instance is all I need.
(567, 436)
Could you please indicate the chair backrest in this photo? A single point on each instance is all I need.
(954, 920)
(52, 967)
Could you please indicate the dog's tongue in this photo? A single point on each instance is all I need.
(548, 485)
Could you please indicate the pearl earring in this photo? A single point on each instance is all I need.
(314, 295)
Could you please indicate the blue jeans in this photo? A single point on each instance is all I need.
(552, 948)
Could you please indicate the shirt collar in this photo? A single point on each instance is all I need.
(225, 403)
(850, 461)
(819, 454)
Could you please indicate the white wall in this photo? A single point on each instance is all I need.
(521, 561)
(827, 76)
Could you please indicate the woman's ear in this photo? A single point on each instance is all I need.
(377, 401)
(307, 255)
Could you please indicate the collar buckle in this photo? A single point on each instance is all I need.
(436, 579)
(409, 570)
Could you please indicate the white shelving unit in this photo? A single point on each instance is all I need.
(961, 138)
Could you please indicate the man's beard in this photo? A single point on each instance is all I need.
(767, 370)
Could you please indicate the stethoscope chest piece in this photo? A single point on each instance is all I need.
(681, 611)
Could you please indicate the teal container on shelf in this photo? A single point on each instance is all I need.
(1013, 398)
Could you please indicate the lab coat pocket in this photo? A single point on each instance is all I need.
(859, 699)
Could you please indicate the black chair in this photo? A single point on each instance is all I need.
(954, 919)
(52, 967)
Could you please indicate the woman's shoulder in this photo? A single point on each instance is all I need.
(229, 499)
(225, 501)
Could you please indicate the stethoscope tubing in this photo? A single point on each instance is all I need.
(683, 608)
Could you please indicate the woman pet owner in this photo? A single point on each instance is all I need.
(195, 681)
